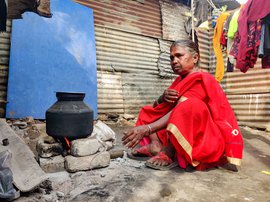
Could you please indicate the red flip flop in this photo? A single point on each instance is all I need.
(162, 156)
(143, 154)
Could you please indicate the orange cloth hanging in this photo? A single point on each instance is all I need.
(217, 47)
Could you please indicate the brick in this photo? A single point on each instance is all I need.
(52, 164)
(48, 147)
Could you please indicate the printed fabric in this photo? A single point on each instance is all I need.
(252, 46)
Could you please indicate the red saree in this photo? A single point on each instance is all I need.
(203, 133)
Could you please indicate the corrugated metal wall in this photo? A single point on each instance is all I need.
(173, 20)
(132, 57)
(164, 66)
(204, 48)
(110, 92)
(141, 17)
(4, 62)
(122, 51)
(142, 89)
(128, 76)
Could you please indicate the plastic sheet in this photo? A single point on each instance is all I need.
(7, 191)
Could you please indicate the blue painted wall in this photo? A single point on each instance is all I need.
(49, 55)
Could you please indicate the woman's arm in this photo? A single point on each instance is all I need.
(133, 136)
(160, 123)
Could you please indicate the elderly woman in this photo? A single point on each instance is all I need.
(191, 124)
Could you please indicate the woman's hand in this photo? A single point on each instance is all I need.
(170, 95)
(133, 136)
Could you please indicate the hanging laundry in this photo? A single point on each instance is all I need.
(266, 45)
(249, 14)
(215, 14)
(260, 50)
(264, 48)
(251, 49)
(230, 60)
(233, 26)
(223, 39)
(227, 22)
(3, 15)
(232, 29)
(217, 47)
(17, 7)
(230, 66)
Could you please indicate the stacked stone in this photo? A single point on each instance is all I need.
(85, 154)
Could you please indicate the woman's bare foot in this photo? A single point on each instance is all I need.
(161, 160)
(148, 150)
(164, 157)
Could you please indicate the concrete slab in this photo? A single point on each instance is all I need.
(27, 174)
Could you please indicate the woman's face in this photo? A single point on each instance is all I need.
(182, 61)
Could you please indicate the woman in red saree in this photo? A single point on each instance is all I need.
(192, 122)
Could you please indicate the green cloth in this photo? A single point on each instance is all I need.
(233, 27)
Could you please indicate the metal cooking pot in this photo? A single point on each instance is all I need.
(69, 117)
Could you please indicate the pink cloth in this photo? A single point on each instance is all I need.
(250, 12)
(251, 50)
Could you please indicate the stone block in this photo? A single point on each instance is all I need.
(99, 160)
(48, 147)
(116, 153)
(52, 164)
(85, 147)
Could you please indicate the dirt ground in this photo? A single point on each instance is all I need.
(129, 180)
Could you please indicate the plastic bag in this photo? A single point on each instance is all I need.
(104, 134)
(7, 191)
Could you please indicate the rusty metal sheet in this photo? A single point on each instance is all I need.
(164, 65)
(252, 109)
(119, 51)
(256, 80)
(142, 89)
(110, 93)
(204, 48)
(173, 20)
(133, 16)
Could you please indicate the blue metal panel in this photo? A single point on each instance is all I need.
(49, 55)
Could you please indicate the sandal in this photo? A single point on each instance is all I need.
(162, 156)
(142, 154)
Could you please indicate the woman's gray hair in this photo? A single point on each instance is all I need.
(189, 45)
